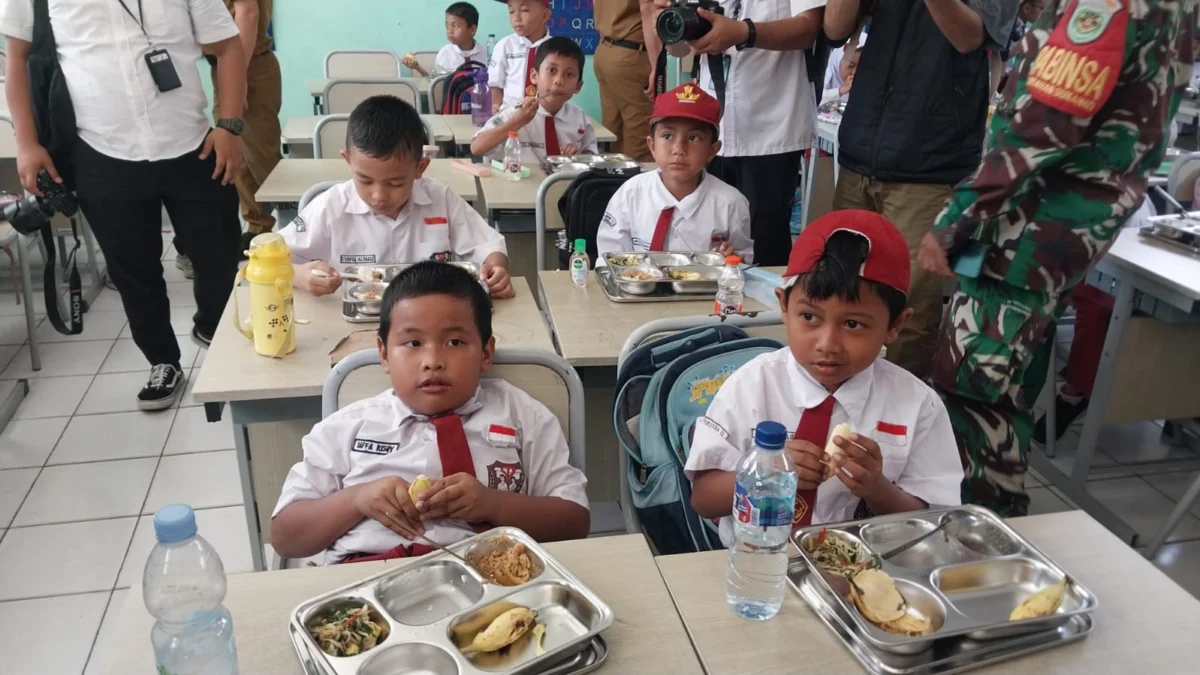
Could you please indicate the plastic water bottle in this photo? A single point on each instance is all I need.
(491, 46)
(481, 100)
(512, 157)
(729, 287)
(183, 586)
(762, 513)
(579, 264)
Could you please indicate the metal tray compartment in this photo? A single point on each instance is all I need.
(988, 592)
(707, 285)
(426, 594)
(659, 290)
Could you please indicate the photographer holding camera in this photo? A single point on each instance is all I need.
(131, 135)
(769, 107)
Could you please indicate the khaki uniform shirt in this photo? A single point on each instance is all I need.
(264, 42)
(619, 20)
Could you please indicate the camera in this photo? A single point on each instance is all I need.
(29, 214)
(680, 22)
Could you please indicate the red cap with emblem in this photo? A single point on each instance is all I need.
(690, 101)
(888, 260)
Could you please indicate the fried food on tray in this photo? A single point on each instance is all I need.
(348, 631)
(837, 555)
(879, 601)
(507, 565)
(1043, 603)
(502, 631)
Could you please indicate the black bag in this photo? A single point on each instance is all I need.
(457, 85)
(582, 208)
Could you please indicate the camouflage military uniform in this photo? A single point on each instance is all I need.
(1049, 196)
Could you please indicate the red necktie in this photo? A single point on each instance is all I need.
(814, 428)
(660, 229)
(530, 90)
(454, 451)
(551, 137)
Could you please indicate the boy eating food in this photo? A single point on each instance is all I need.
(493, 455)
(843, 298)
(462, 21)
(510, 72)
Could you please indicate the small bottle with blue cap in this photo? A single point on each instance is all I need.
(183, 585)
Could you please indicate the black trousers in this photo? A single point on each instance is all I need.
(769, 182)
(123, 203)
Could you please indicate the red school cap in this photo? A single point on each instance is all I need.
(888, 260)
(544, 2)
(689, 101)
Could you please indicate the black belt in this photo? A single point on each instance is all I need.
(627, 44)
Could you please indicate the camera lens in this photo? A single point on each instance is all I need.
(671, 26)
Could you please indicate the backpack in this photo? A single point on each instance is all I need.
(582, 208)
(457, 86)
(663, 387)
(53, 112)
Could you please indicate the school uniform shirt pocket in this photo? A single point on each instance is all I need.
(435, 240)
(505, 471)
(889, 433)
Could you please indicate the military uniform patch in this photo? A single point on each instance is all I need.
(1078, 67)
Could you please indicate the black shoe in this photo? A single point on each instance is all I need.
(205, 339)
(163, 388)
(1065, 415)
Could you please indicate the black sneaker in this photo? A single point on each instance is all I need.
(205, 339)
(1065, 415)
(162, 389)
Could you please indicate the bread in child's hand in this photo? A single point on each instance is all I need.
(418, 486)
(833, 451)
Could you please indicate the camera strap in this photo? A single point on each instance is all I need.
(717, 63)
(74, 282)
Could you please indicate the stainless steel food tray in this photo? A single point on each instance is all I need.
(952, 655)
(1181, 232)
(367, 311)
(422, 600)
(665, 289)
(966, 585)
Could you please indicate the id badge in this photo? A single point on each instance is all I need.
(163, 70)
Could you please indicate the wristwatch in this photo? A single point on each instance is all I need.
(233, 125)
(751, 36)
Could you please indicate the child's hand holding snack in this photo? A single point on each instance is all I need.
(459, 496)
(860, 465)
(809, 462)
(386, 501)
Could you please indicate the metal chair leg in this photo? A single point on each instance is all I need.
(35, 357)
(1184, 505)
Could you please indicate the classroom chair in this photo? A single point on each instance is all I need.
(362, 63)
(437, 94)
(546, 214)
(342, 96)
(426, 60)
(329, 135)
(312, 192)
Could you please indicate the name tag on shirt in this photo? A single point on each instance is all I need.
(894, 434)
(373, 447)
(357, 259)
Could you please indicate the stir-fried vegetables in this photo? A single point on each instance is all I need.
(347, 631)
(838, 555)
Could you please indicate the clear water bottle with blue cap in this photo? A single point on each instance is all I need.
(183, 586)
(763, 502)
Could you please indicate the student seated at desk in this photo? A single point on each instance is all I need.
(902, 455)
(494, 454)
(548, 123)
(462, 20)
(680, 207)
(388, 213)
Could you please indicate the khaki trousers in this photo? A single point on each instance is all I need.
(260, 140)
(622, 74)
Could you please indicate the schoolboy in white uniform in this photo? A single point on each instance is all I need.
(902, 455)
(679, 207)
(548, 123)
(493, 454)
(388, 213)
(462, 21)
(510, 72)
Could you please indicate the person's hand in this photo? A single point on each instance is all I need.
(317, 278)
(410, 61)
(459, 496)
(859, 465)
(498, 281)
(725, 33)
(525, 112)
(649, 88)
(932, 257)
(725, 248)
(570, 149)
(31, 161)
(846, 84)
(660, 4)
(386, 501)
(229, 154)
(808, 460)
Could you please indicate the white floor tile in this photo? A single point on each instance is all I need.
(1174, 485)
(50, 635)
(107, 301)
(1142, 507)
(93, 438)
(60, 359)
(13, 330)
(27, 443)
(188, 400)
(53, 396)
(192, 432)
(62, 559)
(181, 293)
(14, 485)
(203, 480)
(96, 326)
(1103, 466)
(181, 322)
(9, 306)
(200, 355)
(98, 662)
(7, 354)
(1181, 562)
(125, 357)
(115, 392)
(1139, 442)
(224, 528)
(172, 273)
(88, 491)
(1042, 500)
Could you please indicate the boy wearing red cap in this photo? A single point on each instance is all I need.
(843, 298)
(679, 207)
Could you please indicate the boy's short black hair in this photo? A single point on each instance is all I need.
(437, 278)
(465, 11)
(384, 127)
(836, 274)
(716, 133)
(562, 46)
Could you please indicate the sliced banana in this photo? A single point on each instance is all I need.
(418, 486)
(1043, 603)
(505, 630)
(539, 636)
(466, 630)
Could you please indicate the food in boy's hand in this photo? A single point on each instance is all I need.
(838, 555)
(874, 593)
(419, 485)
(1043, 603)
(832, 450)
(502, 631)
(507, 564)
(347, 631)
(539, 637)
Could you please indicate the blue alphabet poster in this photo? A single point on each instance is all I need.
(573, 19)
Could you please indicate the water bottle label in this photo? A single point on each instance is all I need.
(722, 309)
(763, 511)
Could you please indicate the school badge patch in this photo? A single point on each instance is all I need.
(801, 509)
(506, 476)
(1077, 69)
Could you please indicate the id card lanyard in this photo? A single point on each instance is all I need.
(162, 70)
(141, 22)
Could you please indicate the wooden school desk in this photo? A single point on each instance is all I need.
(297, 133)
(292, 177)
(1145, 623)
(273, 403)
(316, 89)
(647, 636)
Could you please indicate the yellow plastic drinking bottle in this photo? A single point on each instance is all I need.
(272, 323)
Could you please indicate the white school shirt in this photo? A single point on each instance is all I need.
(508, 67)
(884, 402)
(339, 228)
(832, 90)
(571, 124)
(517, 445)
(450, 57)
(716, 210)
(119, 111)
(770, 107)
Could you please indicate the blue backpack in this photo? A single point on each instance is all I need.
(662, 388)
